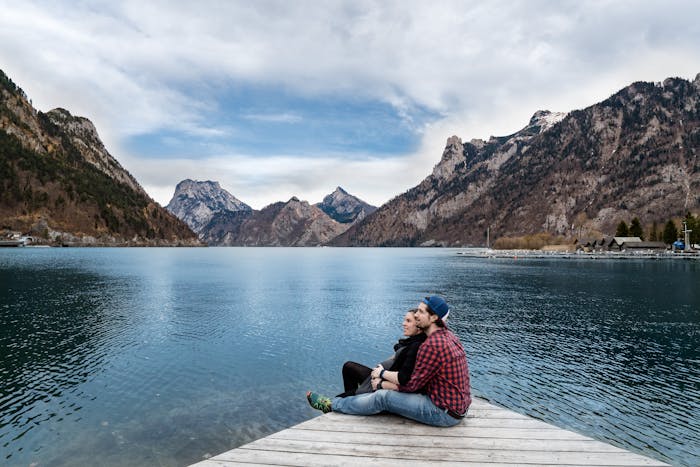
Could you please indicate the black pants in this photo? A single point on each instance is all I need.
(353, 375)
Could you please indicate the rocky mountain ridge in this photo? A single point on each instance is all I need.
(634, 154)
(83, 135)
(219, 218)
(344, 207)
(60, 184)
(291, 223)
(196, 203)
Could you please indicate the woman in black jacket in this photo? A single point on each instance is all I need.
(357, 377)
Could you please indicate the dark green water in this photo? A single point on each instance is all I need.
(165, 356)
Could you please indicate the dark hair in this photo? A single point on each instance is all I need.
(439, 322)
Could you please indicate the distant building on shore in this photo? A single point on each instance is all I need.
(618, 244)
(643, 246)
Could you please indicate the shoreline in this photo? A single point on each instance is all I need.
(538, 254)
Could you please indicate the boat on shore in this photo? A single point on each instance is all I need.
(13, 243)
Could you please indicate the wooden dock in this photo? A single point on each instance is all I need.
(489, 435)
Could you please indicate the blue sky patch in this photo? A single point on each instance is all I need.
(263, 121)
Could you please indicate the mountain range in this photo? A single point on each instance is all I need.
(565, 174)
(219, 218)
(633, 155)
(59, 183)
(568, 174)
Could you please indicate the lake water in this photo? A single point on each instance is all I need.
(166, 356)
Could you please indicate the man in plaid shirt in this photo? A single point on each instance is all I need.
(438, 392)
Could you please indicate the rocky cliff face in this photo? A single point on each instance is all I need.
(635, 154)
(344, 207)
(196, 203)
(59, 183)
(83, 136)
(294, 223)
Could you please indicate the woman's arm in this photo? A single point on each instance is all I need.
(389, 376)
(384, 384)
(405, 364)
(427, 364)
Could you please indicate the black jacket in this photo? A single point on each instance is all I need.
(405, 354)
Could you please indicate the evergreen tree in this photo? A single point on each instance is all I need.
(622, 230)
(636, 229)
(670, 232)
(654, 234)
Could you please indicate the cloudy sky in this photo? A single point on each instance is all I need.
(276, 99)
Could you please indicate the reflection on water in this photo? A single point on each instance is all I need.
(166, 356)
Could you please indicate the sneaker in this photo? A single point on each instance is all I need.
(319, 402)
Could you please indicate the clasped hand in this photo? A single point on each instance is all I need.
(377, 372)
(376, 379)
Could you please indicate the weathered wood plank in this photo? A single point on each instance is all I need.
(472, 414)
(457, 431)
(432, 454)
(490, 435)
(470, 421)
(256, 458)
(417, 441)
(488, 413)
(478, 403)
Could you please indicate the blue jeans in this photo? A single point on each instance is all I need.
(417, 407)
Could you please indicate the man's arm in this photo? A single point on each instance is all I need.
(385, 384)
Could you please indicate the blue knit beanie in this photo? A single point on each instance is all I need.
(438, 306)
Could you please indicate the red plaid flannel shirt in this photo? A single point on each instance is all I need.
(442, 371)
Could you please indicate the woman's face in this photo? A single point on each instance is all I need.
(409, 325)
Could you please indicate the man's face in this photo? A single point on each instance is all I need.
(423, 316)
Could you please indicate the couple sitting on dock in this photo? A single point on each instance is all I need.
(427, 379)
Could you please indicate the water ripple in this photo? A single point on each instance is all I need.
(632, 375)
(162, 356)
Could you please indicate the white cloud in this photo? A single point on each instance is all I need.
(137, 67)
(259, 182)
(286, 117)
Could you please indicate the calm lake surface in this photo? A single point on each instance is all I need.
(166, 356)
